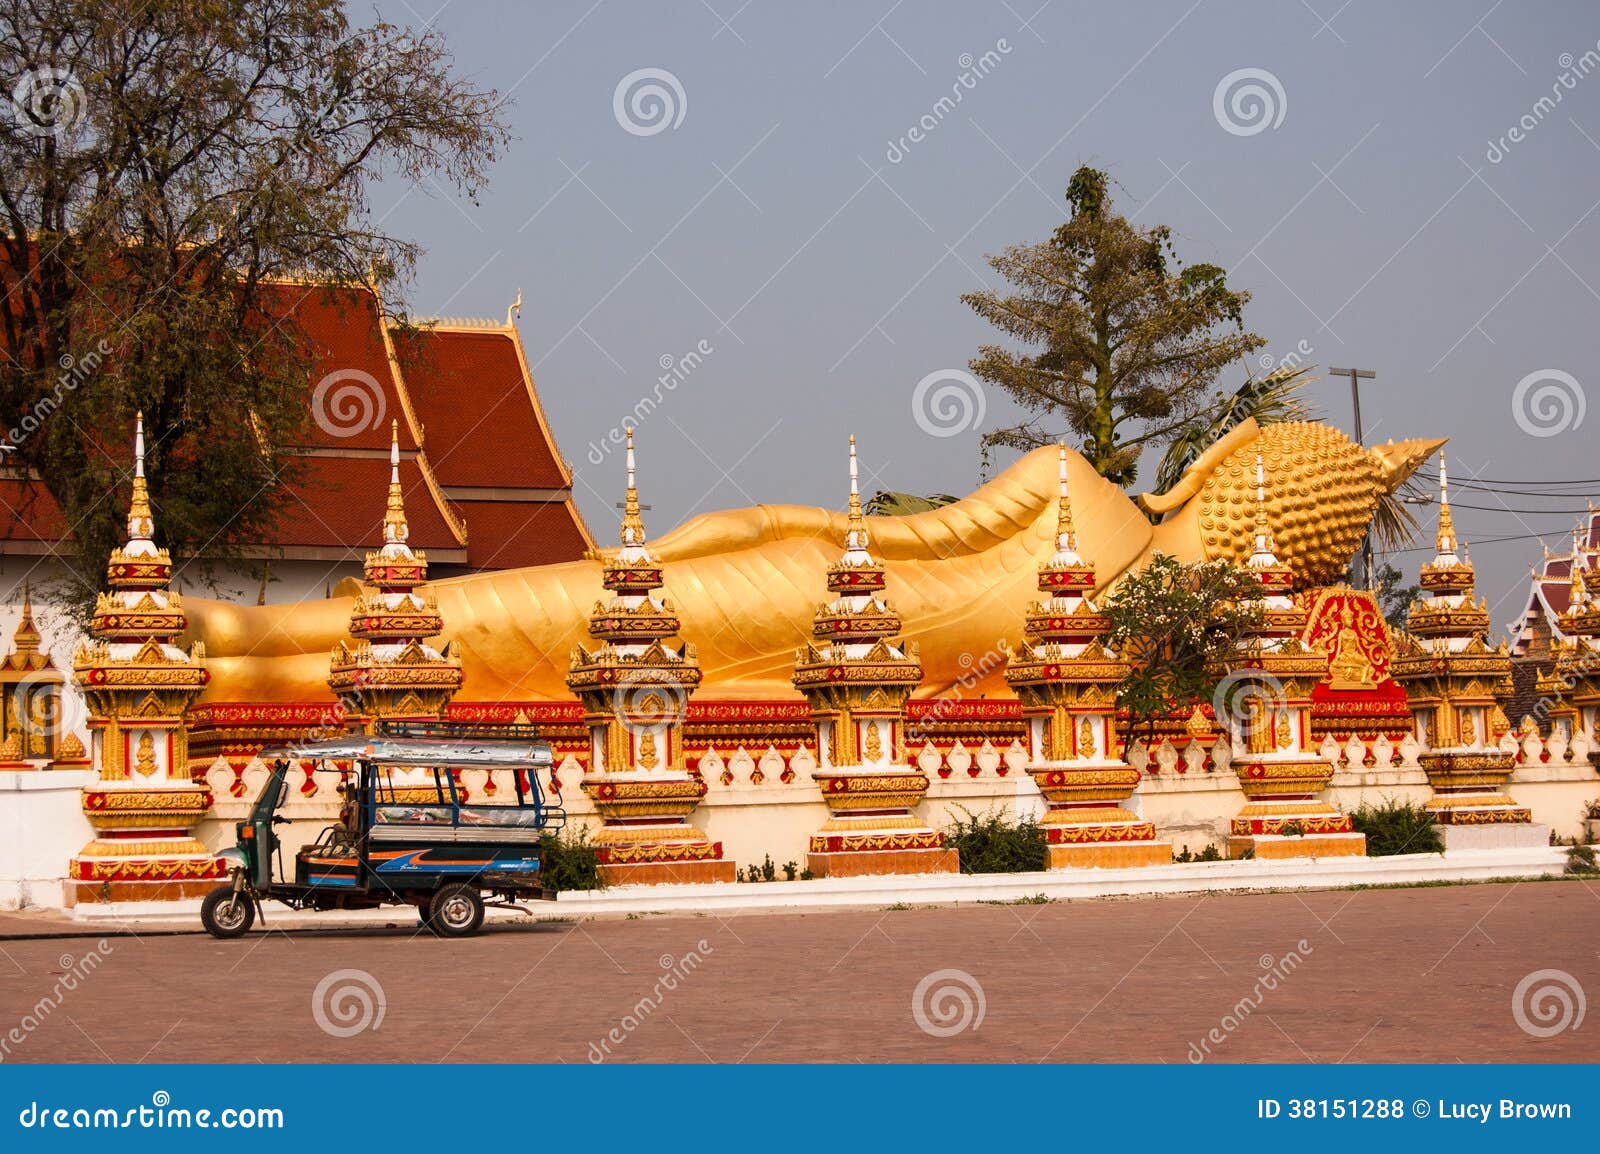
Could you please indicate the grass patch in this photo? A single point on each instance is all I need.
(990, 844)
(1397, 827)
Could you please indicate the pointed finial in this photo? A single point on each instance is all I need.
(1447, 529)
(1066, 536)
(141, 523)
(856, 538)
(1264, 543)
(26, 639)
(632, 521)
(1575, 574)
(395, 528)
(514, 313)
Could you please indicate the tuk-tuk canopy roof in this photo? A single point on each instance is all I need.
(418, 751)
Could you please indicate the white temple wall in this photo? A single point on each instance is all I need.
(41, 827)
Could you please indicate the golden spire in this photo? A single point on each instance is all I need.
(856, 538)
(1263, 555)
(1066, 536)
(141, 524)
(1447, 529)
(26, 639)
(632, 522)
(1575, 597)
(395, 528)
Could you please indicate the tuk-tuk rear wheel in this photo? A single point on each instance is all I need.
(456, 911)
(227, 913)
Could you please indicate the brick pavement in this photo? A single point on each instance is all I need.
(1382, 975)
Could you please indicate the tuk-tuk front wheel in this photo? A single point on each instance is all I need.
(455, 911)
(227, 913)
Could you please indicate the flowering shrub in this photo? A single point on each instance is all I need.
(1179, 623)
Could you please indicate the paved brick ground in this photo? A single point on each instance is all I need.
(1383, 975)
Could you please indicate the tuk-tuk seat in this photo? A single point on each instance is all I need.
(413, 815)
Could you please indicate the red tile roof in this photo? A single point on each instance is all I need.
(469, 418)
(509, 535)
(340, 502)
(472, 397)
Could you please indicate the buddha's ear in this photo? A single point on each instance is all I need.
(1195, 475)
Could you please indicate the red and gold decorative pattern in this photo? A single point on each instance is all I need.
(875, 842)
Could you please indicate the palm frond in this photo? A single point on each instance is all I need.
(1270, 399)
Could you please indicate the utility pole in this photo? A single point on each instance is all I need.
(1356, 377)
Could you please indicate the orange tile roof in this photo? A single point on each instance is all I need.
(468, 417)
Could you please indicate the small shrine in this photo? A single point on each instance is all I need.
(32, 713)
(1455, 682)
(1066, 679)
(635, 688)
(391, 673)
(856, 676)
(1280, 771)
(139, 686)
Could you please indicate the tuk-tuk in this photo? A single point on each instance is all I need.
(412, 841)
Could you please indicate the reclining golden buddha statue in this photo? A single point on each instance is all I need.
(745, 582)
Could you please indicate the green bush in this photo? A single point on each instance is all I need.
(991, 844)
(1397, 827)
(569, 862)
(1210, 853)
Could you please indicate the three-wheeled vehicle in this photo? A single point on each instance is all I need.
(405, 835)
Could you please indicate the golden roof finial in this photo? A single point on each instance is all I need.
(632, 521)
(141, 524)
(1447, 529)
(395, 528)
(1575, 575)
(26, 639)
(856, 538)
(1066, 536)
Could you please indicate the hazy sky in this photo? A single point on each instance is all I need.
(1379, 207)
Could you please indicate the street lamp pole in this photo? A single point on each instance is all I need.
(1356, 377)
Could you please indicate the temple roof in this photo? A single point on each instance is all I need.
(1550, 589)
(485, 484)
